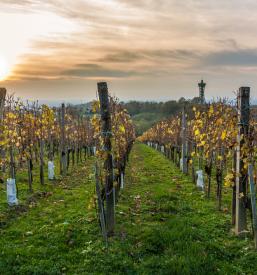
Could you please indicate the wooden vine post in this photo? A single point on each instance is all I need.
(233, 204)
(100, 203)
(51, 147)
(108, 162)
(12, 161)
(30, 176)
(253, 202)
(63, 143)
(184, 145)
(241, 173)
(2, 102)
(41, 152)
(219, 178)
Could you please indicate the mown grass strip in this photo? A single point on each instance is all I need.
(164, 225)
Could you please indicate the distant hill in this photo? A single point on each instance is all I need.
(146, 113)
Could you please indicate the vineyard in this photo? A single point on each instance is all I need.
(217, 142)
(33, 135)
(84, 195)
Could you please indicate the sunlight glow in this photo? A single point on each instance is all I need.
(22, 31)
(4, 68)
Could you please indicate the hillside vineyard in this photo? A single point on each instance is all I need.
(214, 143)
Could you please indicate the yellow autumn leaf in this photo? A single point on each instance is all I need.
(197, 132)
(211, 110)
(229, 180)
(219, 121)
(219, 158)
(203, 142)
(223, 135)
(122, 129)
(3, 142)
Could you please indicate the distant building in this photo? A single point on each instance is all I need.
(201, 86)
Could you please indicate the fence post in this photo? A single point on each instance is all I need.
(241, 173)
(107, 147)
(184, 145)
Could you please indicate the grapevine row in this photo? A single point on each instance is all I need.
(219, 140)
(33, 135)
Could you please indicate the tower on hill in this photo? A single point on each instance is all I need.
(201, 86)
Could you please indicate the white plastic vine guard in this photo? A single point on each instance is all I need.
(94, 150)
(121, 181)
(51, 170)
(200, 181)
(11, 192)
(181, 164)
(162, 149)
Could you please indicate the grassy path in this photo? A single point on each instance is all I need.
(164, 226)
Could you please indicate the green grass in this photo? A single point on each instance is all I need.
(164, 226)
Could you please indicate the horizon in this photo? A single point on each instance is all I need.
(58, 102)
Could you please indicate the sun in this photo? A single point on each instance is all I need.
(4, 68)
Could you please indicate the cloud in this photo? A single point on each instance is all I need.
(139, 55)
(121, 57)
(241, 58)
(143, 41)
(94, 70)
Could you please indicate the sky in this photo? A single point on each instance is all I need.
(57, 50)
